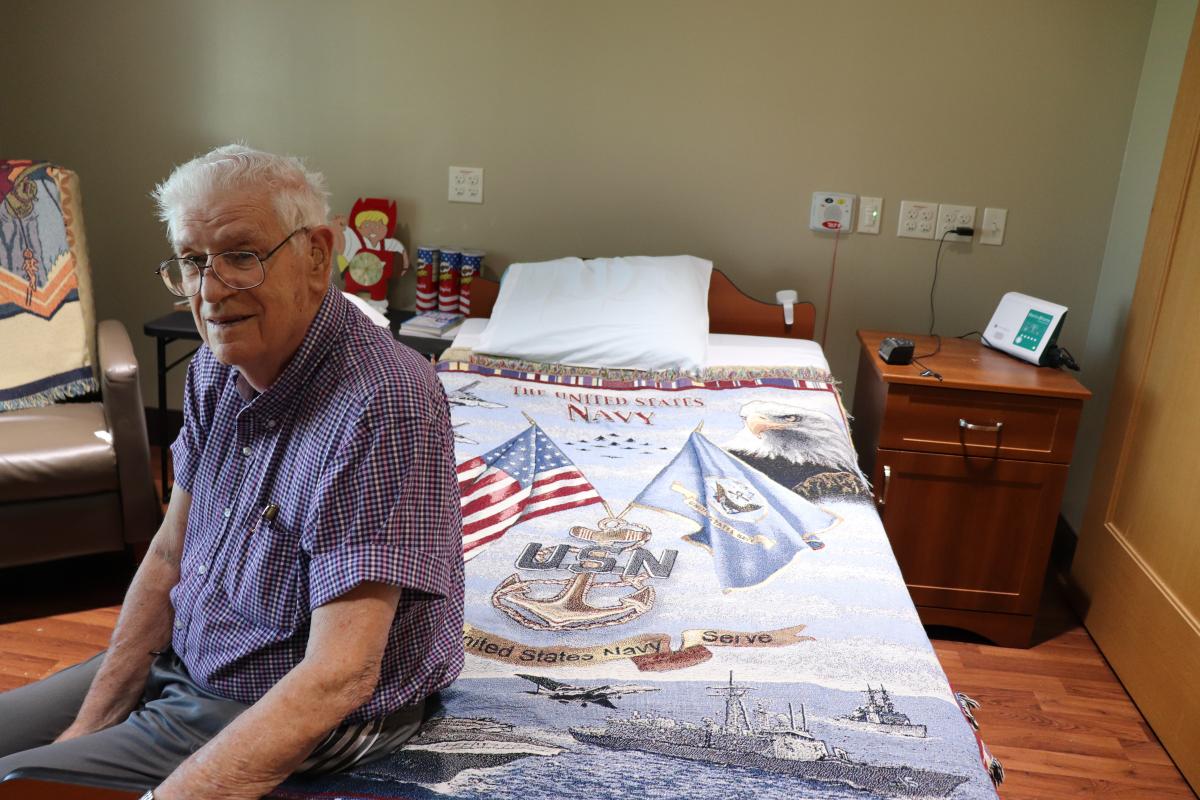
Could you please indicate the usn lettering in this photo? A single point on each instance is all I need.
(597, 559)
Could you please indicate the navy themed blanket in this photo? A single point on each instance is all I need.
(675, 588)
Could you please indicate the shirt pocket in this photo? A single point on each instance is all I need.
(264, 580)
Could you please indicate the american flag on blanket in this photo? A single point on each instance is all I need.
(526, 477)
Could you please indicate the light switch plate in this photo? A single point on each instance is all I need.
(466, 184)
(991, 231)
(870, 213)
(917, 219)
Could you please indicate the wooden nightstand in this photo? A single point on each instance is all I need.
(968, 474)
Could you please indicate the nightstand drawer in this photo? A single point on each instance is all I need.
(988, 424)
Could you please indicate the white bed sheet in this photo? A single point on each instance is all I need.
(724, 349)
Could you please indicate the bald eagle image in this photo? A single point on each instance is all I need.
(802, 449)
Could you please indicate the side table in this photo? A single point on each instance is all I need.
(167, 329)
(968, 474)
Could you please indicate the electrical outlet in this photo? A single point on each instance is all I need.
(950, 217)
(992, 229)
(870, 214)
(917, 219)
(466, 184)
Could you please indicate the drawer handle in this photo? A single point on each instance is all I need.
(970, 426)
(887, 482)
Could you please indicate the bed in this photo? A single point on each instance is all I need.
(677, 586)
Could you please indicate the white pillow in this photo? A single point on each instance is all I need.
(362, 305)
(630, 313)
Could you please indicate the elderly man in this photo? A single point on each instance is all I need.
(303, 596)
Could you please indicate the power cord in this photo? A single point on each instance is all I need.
(1061, 357)
(926, 372)
(837, 232)
(961, 230)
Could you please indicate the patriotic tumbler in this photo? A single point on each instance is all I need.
(448, 280)
(427, 284)
(472, 263)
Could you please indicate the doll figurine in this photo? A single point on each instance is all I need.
(368, 253)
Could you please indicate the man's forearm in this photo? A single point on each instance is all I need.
(264, 745)
(268, 741)
(143, 626)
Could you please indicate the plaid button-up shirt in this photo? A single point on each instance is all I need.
(353, 444)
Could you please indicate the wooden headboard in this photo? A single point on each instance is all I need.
(730, 310)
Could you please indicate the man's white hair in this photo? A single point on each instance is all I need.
(299, 196)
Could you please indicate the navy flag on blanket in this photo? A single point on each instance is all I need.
(525, 477)
(752, 526)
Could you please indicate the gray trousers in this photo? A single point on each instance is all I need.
(175, 718)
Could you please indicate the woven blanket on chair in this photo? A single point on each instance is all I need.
(46, 320)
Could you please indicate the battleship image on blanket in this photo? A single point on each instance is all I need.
(772, 742)
(674, 588)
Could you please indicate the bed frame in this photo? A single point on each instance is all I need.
(730, 310)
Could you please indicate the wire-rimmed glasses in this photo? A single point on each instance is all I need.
(237, 269)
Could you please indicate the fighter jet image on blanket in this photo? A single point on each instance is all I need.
(462, 397)
(598, 695)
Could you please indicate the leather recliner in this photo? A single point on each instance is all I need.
(75, 477)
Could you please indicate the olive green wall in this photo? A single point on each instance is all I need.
(610, 128)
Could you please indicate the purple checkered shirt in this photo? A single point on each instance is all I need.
(353, 444)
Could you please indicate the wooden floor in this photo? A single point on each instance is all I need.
(1055, 715)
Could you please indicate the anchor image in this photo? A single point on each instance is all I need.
(585, 601)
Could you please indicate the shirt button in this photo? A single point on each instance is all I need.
(246, 451)
(202, 569)
(178, 625)
(228, 512)
(270, 423)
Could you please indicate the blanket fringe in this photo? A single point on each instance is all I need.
(995, 769)
(967, 704)
(815, 374)
(52, 395)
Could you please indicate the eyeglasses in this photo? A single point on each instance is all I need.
(237, 269)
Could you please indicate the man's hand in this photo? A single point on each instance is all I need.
(270, 739)
(144, 625)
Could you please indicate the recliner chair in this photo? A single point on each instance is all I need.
(75, 475)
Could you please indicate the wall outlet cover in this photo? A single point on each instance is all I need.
(917, 219)
(466, 185)
(950, 217)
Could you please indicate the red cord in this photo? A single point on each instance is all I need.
(829, 295)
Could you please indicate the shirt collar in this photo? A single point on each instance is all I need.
(322, 333)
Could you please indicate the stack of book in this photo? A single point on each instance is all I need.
(438, 324)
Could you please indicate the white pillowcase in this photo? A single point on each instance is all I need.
(640, 312)
(362, 305)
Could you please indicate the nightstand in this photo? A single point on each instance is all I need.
(968, 474)
(429, 346)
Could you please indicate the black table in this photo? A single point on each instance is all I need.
(179, 326)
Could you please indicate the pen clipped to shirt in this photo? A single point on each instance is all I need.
(268, 514)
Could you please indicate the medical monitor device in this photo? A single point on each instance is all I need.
(1026, 328)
